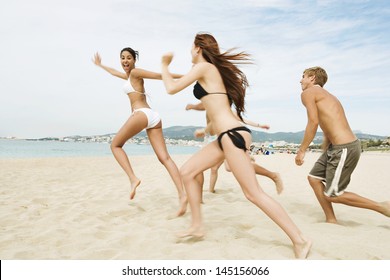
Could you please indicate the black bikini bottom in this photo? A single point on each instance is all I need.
(236, 137)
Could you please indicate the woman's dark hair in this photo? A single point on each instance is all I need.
(131, 51)
(233, 78)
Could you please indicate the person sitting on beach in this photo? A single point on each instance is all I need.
(341, 148)
(142, 117)
(219, 84)
(204, 133)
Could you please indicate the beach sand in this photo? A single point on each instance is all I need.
(79, 208)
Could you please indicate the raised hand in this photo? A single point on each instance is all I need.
(167, 58)
(97, 60)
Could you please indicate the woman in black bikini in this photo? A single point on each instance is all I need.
(219, 84)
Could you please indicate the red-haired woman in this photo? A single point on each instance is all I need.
(219, 84)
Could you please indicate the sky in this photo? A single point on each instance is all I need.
(49, 86)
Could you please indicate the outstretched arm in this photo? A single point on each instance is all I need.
(202, 132)
(308, 100)
(145, 74)
(255, 124)
(197, 107)
(251, 123)
(97, 60)
(174, 86)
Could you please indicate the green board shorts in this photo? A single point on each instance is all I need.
(335, 167)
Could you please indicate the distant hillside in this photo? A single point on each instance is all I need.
(187, 133)
(178, 132)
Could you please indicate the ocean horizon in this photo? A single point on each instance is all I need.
(10, 149)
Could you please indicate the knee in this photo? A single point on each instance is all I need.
(115, 145)
(328, 198)
(163, 159)
(332, 199)
(186, 173)
(313, 181)
(253, 196)
(250, 197)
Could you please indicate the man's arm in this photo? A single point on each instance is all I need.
(308, 100)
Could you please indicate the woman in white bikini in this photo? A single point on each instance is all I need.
(142, 117)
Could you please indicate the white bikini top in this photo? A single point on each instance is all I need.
(127, 87)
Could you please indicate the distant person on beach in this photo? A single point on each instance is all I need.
(219, 84)
(205, 133)
(341, 148)
(142, 117)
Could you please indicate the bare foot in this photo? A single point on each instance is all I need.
(332, 221)
(386, 208)
(302, 250)
(278, 183)
(134, 186)
(191, 232)
(183, 206)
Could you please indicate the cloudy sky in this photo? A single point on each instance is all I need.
(50, 87)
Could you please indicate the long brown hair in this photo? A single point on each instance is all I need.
(233, 78)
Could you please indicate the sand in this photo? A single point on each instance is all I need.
(79, 208)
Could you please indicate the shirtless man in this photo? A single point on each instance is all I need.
(341, 148)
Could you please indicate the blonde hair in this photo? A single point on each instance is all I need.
(319, 73)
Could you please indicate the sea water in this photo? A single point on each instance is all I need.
(34, 149)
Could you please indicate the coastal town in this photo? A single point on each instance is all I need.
(266, 146)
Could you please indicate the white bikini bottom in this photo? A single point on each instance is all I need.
(152, 116)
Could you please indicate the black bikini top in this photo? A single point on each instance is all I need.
(199, 91)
